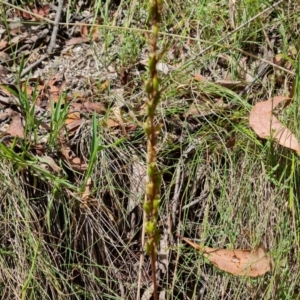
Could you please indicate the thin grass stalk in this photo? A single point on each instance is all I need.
(152, 198)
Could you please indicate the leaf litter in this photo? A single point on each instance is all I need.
(264, 123)
(16, 127)
(252, 263)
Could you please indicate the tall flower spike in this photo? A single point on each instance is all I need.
(152, 197)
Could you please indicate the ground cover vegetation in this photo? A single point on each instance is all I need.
(74, 101)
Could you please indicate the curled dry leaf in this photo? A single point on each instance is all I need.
(252, 263)
(266, 125)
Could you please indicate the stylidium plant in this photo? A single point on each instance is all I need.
(152, 128)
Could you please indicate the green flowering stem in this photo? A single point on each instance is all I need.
(152, 198)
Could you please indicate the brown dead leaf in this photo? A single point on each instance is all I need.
(8, 113)
(279, 59)
(206, 107)
(227, 83)
(197, 110)
(124, 76)
(49, 161)
(200, 78)
(97, 107)
(54, 88)
(252, 263)
(73, 126)
(104, 85)
(131, 127)
(75, 106)
(118, 115)
(77, 40)
(93, 32)
(84, 31)
(16, 127)
(230, 142)
(73, 120)
(75, 162)
(32, 85)
(4, 57)
(230, 84)
(41, 11)
(86, 193)
(3, 44)
(111, 123)
(39, 149)
(4, 91)
(24, 15)
(72, 116)
(18, 38)
(266, 125)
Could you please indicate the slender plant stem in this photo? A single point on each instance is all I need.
(152, 198)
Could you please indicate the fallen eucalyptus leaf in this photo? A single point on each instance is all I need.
(252, 263)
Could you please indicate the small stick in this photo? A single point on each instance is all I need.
(55, 27)
(33, 65)
(29, 68)
(142, 257)
(259, 75)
